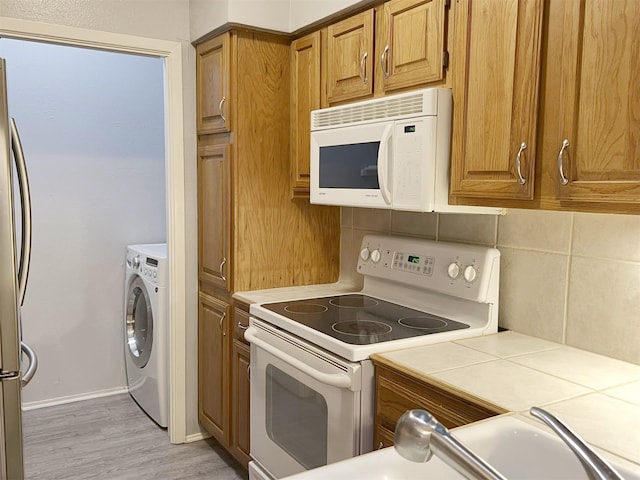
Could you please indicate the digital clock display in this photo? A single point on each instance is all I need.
(413, 259)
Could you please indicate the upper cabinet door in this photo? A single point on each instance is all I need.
(350, 58)
(305, 97)
(410, 47)
(214, 207)
(600, 102)
(213, 71)
(495, 88)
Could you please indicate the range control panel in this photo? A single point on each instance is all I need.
(421, 265)
(460, 270)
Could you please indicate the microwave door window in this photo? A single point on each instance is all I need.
(352, 166)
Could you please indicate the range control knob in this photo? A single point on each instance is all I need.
(453, 270)
(375, 256)
(470, 273)
(364, 254)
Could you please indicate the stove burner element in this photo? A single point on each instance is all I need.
(305, 308)
(361, 328)
(423, 323)
(353, 301)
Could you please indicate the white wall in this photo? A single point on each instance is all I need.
(162, 19)
(304, 12)
(92, 128)
(280, 15)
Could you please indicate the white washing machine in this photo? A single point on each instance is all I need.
(146, 329)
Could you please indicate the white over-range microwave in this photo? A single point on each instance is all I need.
(391, 152)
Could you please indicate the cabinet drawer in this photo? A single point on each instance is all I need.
(396, 393)
(240, 324)
(383, 438)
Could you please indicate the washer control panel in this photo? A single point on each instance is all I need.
(460, 270)
(151, 268)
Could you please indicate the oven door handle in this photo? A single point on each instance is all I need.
(334, 379)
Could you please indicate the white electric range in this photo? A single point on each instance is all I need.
(311, 380)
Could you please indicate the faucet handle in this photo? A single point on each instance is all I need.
(597, 467)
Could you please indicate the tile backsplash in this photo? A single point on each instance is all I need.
(571, 278)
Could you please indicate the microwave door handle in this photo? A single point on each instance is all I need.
(334, 379)
(383, 164)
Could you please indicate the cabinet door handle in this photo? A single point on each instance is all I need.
(565, 144)
(222, 101)
(384, 61)
(222, 264)
(249, 372)
(241, 326)
(380, 446)
(521, 179)
(363, 64)
(224, 315)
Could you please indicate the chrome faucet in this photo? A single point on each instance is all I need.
(419, 435)
(597, 467)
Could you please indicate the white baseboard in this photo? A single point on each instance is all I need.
(195, 437)
(73, 398)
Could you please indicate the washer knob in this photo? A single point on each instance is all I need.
(375, 256)
(136, 261)
(453, 270)
(470, 273)
(364, 254)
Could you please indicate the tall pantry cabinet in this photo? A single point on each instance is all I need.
(251, 234)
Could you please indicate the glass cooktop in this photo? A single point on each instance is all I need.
(362, 320)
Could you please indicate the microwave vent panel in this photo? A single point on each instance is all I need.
(392, 107)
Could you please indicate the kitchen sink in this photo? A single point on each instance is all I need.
(515, 446)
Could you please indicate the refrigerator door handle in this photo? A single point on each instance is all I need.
(25, 201)
(33, 363)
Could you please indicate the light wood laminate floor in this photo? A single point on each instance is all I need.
(111, 438)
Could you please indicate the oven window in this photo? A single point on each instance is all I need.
(296, 418)
(353, 166)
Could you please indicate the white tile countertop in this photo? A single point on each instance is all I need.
(597, 396)
(295, 293)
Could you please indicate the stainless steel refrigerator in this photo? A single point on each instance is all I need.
(14, 270)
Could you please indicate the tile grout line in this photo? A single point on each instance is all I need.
(565, 313)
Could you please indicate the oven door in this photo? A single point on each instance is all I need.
(305, 403)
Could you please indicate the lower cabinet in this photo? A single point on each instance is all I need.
(398, 391)
(223, 374)
(240, 374)
(213, 371)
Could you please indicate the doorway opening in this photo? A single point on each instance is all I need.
(181, 395)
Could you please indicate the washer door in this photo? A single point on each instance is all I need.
(139, 323)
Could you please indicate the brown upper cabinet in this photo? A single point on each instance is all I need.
(350, 58)
(572, 72)
(409, 39)
(214, 206)
(213, 68)
(306, 94)
(410, 43)
(496, 89)
(598, 137)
